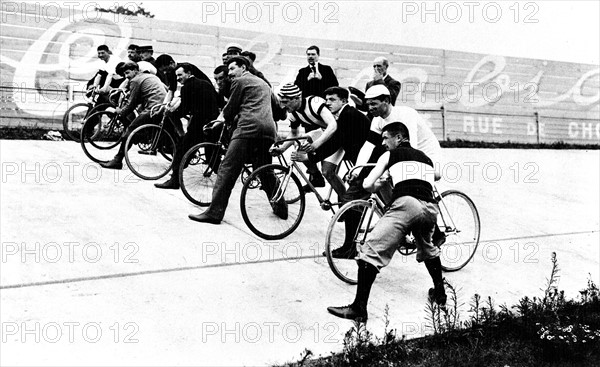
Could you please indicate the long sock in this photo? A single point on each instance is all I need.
(366, 276)
(351, 220)
(434, 267)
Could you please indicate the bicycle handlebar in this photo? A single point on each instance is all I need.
(297, 140)
(360, 166)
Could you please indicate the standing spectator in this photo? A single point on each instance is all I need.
(249, 110)
(316, 77)
(380, 76)
(198, 99)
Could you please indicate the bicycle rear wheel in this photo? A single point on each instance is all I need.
(259, 212)
(459, 220)
(198, 172)
(150, 151)
(346, 269)
(101, 133)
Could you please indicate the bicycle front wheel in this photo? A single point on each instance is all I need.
(198, 172)
(342, 232)
(101, 133)
(275, 215)
(459, 220)
(149, 152)
(75, 117)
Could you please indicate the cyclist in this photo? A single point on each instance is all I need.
(312, 112)
(198, 99)
(379, 103)
(413, 210)
(147, 91)
(353, 128)
(107, 77)
(249, 109)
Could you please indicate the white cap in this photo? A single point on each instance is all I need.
(376, 91)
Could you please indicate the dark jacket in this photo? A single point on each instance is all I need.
(316, 87)
(199, 98)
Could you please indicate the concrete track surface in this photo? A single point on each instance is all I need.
(100, 268)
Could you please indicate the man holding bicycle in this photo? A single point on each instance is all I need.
(421, 137)
(147, 91)
(413, 210)
(253, 132)
(198, 99)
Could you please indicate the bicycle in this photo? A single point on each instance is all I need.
(156, 148)
(458, 220)
(256, 210)
(102, 131)
(77, 114)
(199, 168)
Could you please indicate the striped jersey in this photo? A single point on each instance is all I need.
(412, 173)
(309, 113)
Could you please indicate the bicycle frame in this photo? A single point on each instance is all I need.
(325, 202)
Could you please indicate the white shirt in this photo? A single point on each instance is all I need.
(421, 136)
(110, 66)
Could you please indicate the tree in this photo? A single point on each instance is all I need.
(131, 9)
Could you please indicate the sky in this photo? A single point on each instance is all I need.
(549, 30)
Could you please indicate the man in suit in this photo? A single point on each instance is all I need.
(250, 114)
(316, 77)
(380, 76)
(198, 99)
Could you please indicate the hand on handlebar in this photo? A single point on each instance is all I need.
(276, 150)
(351, 177)
(211, 125)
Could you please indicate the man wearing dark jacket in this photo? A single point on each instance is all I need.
(316, 77)
(198, 99)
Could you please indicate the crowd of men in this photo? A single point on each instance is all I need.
(374, 130)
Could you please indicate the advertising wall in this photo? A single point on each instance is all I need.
(48, 54)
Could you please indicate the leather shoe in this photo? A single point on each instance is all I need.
(344, 252)
(280, 209)
(438, 295)
(204, 218)
(349, 312)
(114, 163)
(171, 183)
